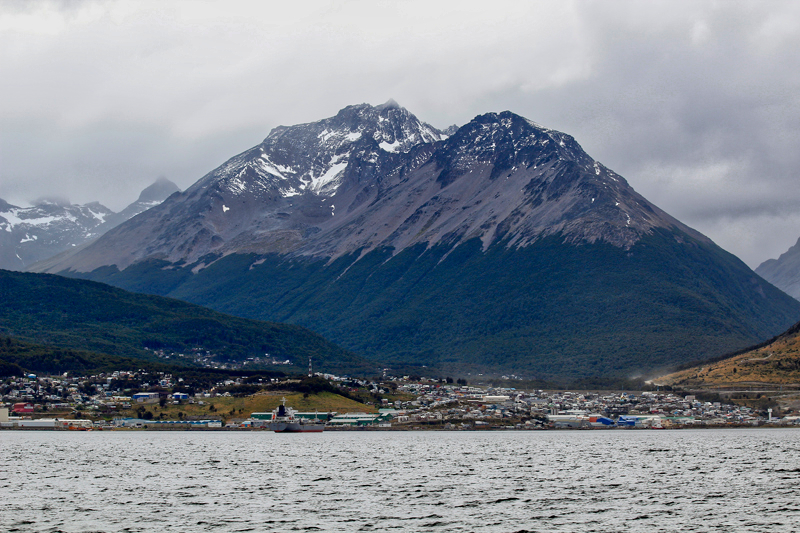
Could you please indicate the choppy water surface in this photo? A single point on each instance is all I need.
(576, 481)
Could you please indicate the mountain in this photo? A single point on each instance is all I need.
(84, 316)
(374, 177)
(272, 197)
(499, 246)
(32, 234)
(151, 196)
(784, 272)
(774, 362)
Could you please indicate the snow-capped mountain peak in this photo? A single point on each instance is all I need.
(314, 157)
(377, 177)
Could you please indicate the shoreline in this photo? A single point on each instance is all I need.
(409, 429)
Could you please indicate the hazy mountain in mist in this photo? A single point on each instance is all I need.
(784, 272)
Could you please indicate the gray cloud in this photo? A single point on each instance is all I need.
(695, 103)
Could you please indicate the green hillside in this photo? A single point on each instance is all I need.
(551, 310)
(16, 356)
(84, 316)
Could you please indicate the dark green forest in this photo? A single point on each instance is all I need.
(82, 316)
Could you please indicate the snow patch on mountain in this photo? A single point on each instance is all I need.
(389, 147)
(273, 168)
(330, 179)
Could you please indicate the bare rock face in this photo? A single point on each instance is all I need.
(374, 177)
(784, 272)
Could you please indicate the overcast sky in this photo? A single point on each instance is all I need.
(696, 104)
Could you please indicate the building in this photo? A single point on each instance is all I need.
(22, 408)
(145, 397)
(41, 423)
(315, 416)
(360, 419)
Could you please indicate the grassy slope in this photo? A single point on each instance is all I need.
(227, 408)
(550, 310)
(88, 316)
(260, 403)
(776, 362)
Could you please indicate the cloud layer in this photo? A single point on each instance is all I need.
(695, 103)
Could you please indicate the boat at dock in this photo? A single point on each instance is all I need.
(285, 420)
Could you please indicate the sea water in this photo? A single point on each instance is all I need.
(745, 480)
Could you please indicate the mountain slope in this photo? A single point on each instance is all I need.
(547, 311)
(150, 197)
(83, 315)
(776, 362)
(784, 272)
(17, 357)
(500, 246)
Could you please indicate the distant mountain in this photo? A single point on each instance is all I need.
(499, 246)
(784, 272)
(32, 234)
(84, 316)
(151, 196)
(274, 197)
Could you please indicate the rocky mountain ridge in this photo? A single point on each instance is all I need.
(374, 177)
